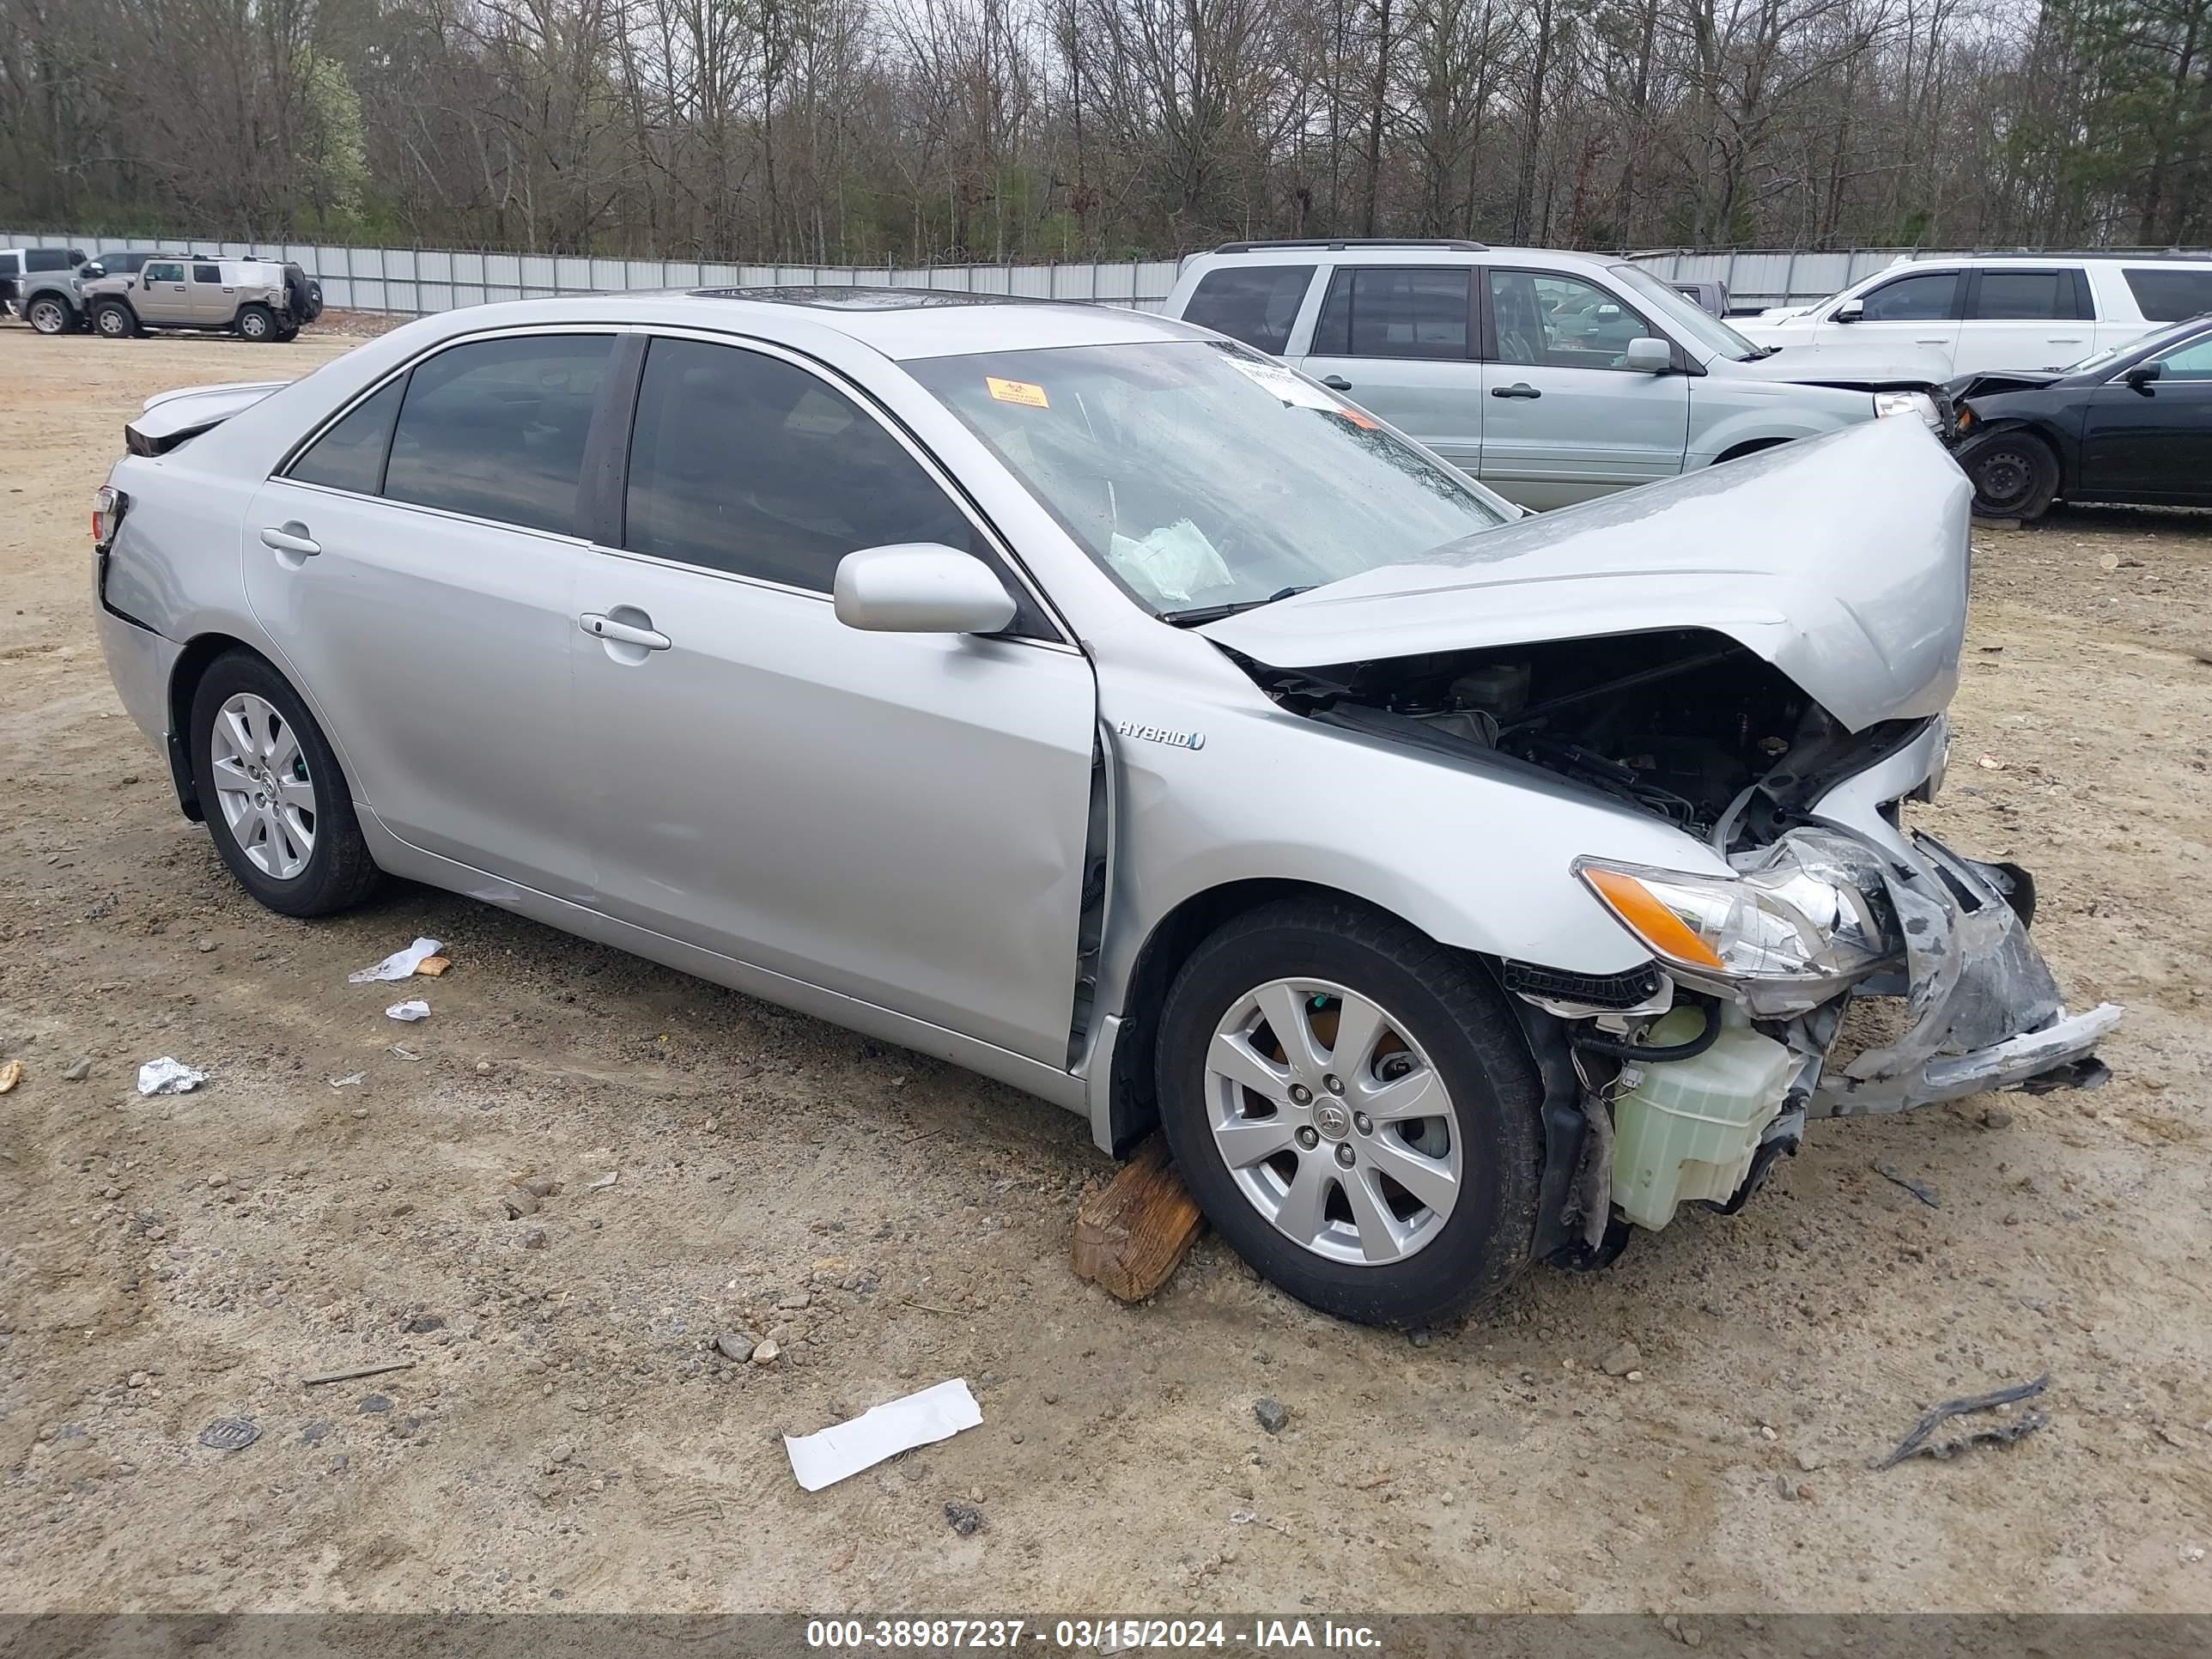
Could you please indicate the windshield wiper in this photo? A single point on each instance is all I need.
(1207, 613)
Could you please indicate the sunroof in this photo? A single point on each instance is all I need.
(862, 299)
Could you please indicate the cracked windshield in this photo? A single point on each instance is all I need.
(1205, 478)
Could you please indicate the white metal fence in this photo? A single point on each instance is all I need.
(412, 282)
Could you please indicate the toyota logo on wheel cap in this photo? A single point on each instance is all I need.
(1332, 1120)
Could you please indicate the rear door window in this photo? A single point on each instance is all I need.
(2023, 296)
(1255, 304)
(211, 274)
(1924, 298)
(1396, 311)
(496, 428)
(2168, 296)
(49, 258)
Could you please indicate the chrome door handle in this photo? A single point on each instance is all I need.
(601, 626)
(291, 539)
(1336, 383)
(1941, 339)
(1518, 389)
(2063, 339)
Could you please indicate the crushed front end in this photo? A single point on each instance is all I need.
(1849, 965)
(1811, 957)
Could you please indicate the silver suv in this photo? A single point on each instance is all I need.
(245, 297)
(1552, 377)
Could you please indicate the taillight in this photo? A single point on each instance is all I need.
(108, 504)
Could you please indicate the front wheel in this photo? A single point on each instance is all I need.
(1354, 1111)
(270, 788)
(2013, 473)
(114, 321)
(48, 315)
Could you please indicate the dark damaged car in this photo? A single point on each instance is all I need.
(2131, 425)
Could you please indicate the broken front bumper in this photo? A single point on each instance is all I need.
(1983, 1011)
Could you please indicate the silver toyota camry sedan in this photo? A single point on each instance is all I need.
(1083, 698)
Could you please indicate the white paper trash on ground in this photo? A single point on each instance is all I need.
(167, 1076)
(939, 1413)
(413, 1008)
(400, 964)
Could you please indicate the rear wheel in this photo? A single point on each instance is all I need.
(1353, 1110)
(2015, 474)
(274, 798)
(256, 323)
(48, 315)
(114, 321)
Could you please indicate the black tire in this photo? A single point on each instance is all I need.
(338, 871)
(113, 320)
(287, 333)
(256, 323)
(1450, 1011)
(48, 315)
(2013, 472)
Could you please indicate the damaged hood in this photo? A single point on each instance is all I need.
(1841, 559)
(1847, 365)
(2011, 379)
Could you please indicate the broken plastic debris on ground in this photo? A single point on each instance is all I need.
(413, 1008)
(168, 1076)
(400, 964)
(11, 1073)
(915, 1419)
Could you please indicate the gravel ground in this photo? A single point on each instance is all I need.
(566, 1438)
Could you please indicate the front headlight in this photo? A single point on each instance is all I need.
(1780, 920)
(1907, 403)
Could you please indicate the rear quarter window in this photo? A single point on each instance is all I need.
(1256, 304)
(2168, 296)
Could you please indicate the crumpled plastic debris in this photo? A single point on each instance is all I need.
(349, 1080)
(1170, 563)
(413, 1008)
(917, 1420)
(168, 1076)
(400, 964)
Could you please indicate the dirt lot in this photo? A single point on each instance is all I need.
(567, 1439)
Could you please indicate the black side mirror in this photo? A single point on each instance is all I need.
(2142, 375)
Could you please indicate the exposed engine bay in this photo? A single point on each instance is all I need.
(1685, 725)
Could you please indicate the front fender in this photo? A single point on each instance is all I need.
(1476, 854)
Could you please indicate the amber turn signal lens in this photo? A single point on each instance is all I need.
(1651, 920)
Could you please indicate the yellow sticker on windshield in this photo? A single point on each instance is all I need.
(1017, 391)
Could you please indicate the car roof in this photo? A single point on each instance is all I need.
(2044, 261)
(1352, 250)
(900, 323)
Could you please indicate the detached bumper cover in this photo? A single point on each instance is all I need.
(1985, 1013)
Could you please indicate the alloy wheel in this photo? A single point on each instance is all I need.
(47, 316)
(1333, 1121)
(263, 786)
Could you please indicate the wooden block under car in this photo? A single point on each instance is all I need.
(1135, 1231)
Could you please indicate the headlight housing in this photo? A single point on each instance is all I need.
(1907, 403)
(1780, 921)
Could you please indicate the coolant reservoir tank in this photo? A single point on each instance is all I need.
(1688, 1128)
